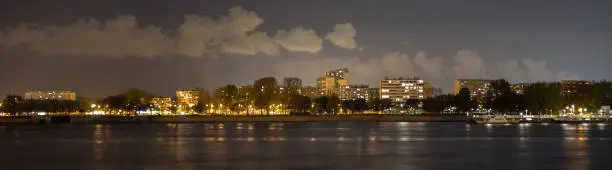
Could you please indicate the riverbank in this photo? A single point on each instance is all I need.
(195, 119)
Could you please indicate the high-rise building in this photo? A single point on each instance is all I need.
(187, 99)
(340, 74)
(333, 79)
(50, 95)
(352, 92)
(401, 89)
(292, 82)
(291, 85)
(478, 87)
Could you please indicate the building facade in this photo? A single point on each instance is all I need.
(400, 89)
(311, 92)
(291, 85)
(50, 95)
(162, 105)
(186, 100)
(352, 92)
(478, 87)
(292, 82)
(333, 79)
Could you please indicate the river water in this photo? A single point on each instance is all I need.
(270, 146)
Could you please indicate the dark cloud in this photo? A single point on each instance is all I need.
(97, 56)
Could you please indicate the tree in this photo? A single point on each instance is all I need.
(500, 96)
(543, 98)
(375, 104)
(463, 101)
(438, 104)
(11, 104)
(412, 103)
(386, 104)
(299, 103)
(359, 105)
(264, 90)
(602, 94)
(333, 104)
(347, 105)
(227, 96)
(116, 103)
(321, 104)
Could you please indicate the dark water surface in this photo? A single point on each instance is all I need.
(270, 146)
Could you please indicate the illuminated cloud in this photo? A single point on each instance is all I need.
(431, 67)
(232, 34)
(343, 36)
(468, 64)
(564, 75)
(116, 37)
(397, 64)
(197, 36)
(299, 39)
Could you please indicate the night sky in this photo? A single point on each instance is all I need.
(101, 47)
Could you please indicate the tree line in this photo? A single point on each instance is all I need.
(537, 98)
(15, 105)
(265, 96)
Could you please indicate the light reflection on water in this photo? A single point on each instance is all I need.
(400, 145)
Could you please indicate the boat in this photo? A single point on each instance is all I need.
(497, 119)
(567, 120)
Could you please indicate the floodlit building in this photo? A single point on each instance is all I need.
(187, 99)
(333, 79)
(50, 95)
(401, 89)
(352, 92)
(478, 87)
(162, 105)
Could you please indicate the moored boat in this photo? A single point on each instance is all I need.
(497, 119)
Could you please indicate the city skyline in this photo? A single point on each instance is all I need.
(173, 46)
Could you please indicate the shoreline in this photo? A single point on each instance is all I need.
(219, 118)
(104, 119)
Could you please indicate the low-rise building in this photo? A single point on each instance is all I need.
(478, 87)
(187, 99)
(352, 92)
(162, 105)
(50, 95)
(401, 89)
(310, 91)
